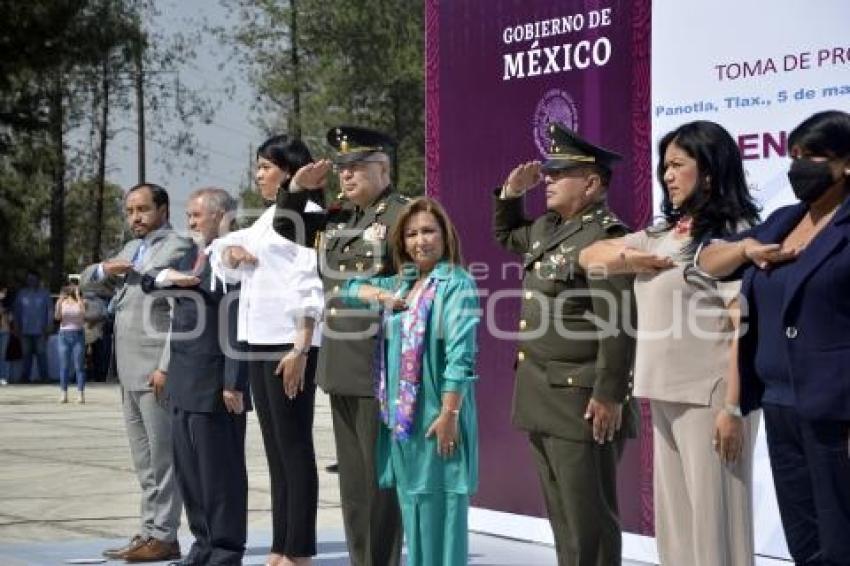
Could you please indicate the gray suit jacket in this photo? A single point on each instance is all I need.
(142, 321)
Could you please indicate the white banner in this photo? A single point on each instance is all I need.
(757, 68)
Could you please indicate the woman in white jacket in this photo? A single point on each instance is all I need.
(280, 307)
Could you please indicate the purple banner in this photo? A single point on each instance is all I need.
(498, 71)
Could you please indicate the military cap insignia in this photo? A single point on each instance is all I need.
(567, 149)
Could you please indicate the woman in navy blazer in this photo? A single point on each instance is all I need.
(794, 352)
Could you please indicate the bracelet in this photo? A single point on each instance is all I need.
(300, 351)
(454, 412)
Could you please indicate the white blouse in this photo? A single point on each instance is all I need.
(282, 287)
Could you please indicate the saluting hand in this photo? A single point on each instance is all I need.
(313, 176)
(181, 279)
(765, 256)
(116, 266)
(606, 417)
(523, 177)
(639, 261)
(236, 256)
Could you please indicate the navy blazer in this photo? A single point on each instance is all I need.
(198, 370)
(815, 314)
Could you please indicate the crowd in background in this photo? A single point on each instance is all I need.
(29, 321)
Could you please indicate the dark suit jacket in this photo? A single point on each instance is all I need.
(199, 370)
(815, 313)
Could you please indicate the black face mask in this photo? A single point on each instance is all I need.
(810, 179)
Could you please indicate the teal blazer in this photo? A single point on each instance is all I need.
(448, 364)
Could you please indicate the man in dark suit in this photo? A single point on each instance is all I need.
(353, 241)
(572, 377)
(207, 393)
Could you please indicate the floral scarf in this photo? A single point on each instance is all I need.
(414, 323)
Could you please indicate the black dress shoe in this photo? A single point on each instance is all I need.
(332, 468)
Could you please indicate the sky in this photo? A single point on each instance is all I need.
(229, 141)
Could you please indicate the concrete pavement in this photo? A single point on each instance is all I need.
(66, 473)
(68, 490)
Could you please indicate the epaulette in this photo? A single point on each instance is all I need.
(605, 218)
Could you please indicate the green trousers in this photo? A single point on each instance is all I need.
(579, 482)
(435, 528)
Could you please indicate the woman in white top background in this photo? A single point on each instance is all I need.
(685, 361)
(70, 311)
(280, 305)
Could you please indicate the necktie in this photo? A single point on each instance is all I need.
(139, 256)
(200, 261)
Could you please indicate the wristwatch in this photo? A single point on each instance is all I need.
(734, 410)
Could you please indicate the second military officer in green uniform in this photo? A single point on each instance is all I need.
(574, 360)
(353, 240)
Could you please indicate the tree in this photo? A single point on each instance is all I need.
(357, 62)
(66, 65)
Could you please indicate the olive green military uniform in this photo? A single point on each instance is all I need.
(355, 243)
(564, 359)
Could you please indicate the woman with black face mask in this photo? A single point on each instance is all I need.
(794, 358)
(702, 459)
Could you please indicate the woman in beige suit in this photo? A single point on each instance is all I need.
(685, 341)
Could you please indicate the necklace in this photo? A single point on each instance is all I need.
(683, 226)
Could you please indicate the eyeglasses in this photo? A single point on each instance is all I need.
(354, 166)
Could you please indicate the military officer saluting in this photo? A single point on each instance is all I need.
(353, 241)
(573, 366)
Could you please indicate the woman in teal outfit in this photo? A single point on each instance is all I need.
(428, 448)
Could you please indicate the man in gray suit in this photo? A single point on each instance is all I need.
(141, 357)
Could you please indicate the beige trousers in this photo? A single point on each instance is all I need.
(703, 508)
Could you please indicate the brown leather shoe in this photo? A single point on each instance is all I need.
(154, 550)
(118, 553)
